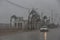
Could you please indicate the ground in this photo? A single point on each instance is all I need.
(53, 34)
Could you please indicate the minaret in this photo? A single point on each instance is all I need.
(41, 15)
(52, 16)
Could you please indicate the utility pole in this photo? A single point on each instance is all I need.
(59, 20)
(55, 19)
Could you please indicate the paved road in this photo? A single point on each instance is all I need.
(53, 34)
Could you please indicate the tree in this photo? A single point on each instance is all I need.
(44, 21)
(45, 17)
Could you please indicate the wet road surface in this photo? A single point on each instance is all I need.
(53, 34)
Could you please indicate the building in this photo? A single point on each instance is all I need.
(17, 22)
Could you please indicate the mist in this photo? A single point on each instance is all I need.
(45, 6)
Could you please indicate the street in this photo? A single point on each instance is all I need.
(53, 34)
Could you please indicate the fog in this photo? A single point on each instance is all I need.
(45, 6)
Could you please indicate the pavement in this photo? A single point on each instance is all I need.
(53, 34)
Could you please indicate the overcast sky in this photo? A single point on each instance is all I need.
(7, 9)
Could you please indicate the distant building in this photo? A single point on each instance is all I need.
(18, 23)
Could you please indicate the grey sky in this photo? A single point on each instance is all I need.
(7, 9)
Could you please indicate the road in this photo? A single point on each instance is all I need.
(53, 34)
